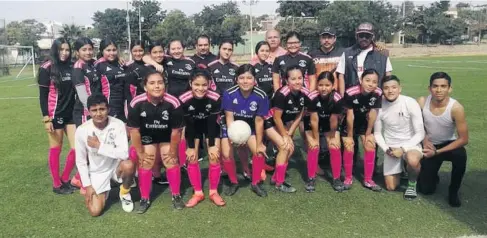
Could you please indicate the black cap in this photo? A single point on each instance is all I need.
(329, 31)
(365, 28)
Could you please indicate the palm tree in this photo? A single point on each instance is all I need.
(70, 32)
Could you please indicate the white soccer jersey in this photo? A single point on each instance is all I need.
(102, 161)
(402, 123)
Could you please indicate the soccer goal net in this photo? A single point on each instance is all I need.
(17, 62)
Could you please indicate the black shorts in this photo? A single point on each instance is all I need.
(79, 118)
(359, 126)
(148, 139)
(323, 125)
(61, 122)
(268, 123)
(202, 132)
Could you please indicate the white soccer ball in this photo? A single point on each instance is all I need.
(239, 132)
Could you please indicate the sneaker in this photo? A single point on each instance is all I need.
(347, 184)
(217, 200)
(177, 202)
(144, 205)
(62, 190)
(160, 181)
(195, 199)
(259, 190)
(372, 186)
(285, 188)
(310, 185)
(454, 199)
(338, 185)
(246, 176)
(231, 189)
(69, 185)
(200, 159)
(410, 193)
(127, 203)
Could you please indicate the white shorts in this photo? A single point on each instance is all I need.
(101, 181)
(393, 165)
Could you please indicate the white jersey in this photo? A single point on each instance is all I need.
(402, 123)
(442, 128)
(103, 161)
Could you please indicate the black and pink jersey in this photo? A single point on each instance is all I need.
(85, 76)
(200, 115)
(56, 96)
(263, 77)
(134, 81)
(224, 75)
(202, 61)
(112, 80)
(362, 103)
(177, 72)
(290, 103)
(303, 61)
(325, 107)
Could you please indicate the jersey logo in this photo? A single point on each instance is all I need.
(301, 101)
(290, 101)
(208, 107)
(188, 67)
(191, 108)
(143, 114)
(165, 115)
(282, 62)
(60, 120)
(257, 70)
(235, 101)
(372, 101)
(170, 63)
(88, 71)
(231, 72)
(355, 101)
(302, 63)
(108, 68)
(253, 106)
(146, 139)
(318, 104)
(216, 71)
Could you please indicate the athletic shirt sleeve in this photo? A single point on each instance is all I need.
(79, 83)
(133, 120)
(226, 102)
(44, 82)
(311, 66)
(337, 103)
(378, 102)
(263, 109)
(119, 149)
(417, 121)
(348, 101)
(212, 121)
(275, 66)
(341, 65)
(82, 156)
(279, 101)
(311, 102)
(378, 132)
(190, 132)
(177, 117)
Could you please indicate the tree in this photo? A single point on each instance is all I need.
(462, 5)
(151, 13)
(476, 20)
(177, 26)
(307, 28)
(298, 8)
(408, 8)
(111, 23)
(70, 32)
(26, 32)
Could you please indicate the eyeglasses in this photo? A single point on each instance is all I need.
(364, 35)
(293, 42)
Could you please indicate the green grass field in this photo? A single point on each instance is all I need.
(30, 209)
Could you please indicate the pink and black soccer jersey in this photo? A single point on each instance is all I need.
(303, 61)
(85, 81)
(112, 80)
(177, 72)
(263, 77)
(246, 109)
(200, 115)
(155, 122)
(224, 75)
(361, 103)
(134, 80)
(325, 107)
(56, 96)
(202, 61)
(290, 103)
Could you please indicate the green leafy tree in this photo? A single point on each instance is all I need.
(71, 32)
(26, 32)
(176, 25)
(300, 8)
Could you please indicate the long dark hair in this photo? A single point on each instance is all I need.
(56, 61)
(104, 44)
(326, 75)
(137, 43)
(153, 44)
(80, 42)
(260, 44)
(223, 42)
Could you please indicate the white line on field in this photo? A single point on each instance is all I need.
(18, 98)
(30, 85)
(14, 80)
(439, 67)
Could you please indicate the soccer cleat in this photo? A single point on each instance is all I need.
(310, 185)
(69, 185)
(217, 200)
(161, 180)
(285, 188)
(231, 189)
(454, 199)
(410, 193)
(195, 199)
(347, 184)
(372, 186)
(338, 185)
(177, 202)
(127, 203)
(200, 159)
(63, 190)
(259, 190)
(246, 176)
(144, 205)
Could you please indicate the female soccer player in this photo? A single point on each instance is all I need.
(250, 104)
(155, 122)
(263, 69)
(133, 85)
(361, 102)
(288, 109)
(201, 108)
(56, 98)
(326, 106)
(223, 70)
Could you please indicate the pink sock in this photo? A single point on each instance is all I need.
(69, 165)
(369, 163)
(336, 162)
(145, 182)
(54, 153)
(312, 162)
(229, 166)
(76, 176)
(133, 155)
(156, 169)
(280, 173)
(257, 167)
(214, 175)
(174, 179)
(243, 156)
(194, 174)
(182, 152)
(348, 164)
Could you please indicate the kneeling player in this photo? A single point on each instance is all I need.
(201, 108)
(401, 120)
(103, 140)
(361, 103)
(155, 121)
(326, 106)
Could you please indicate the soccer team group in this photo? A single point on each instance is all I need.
(130, 119)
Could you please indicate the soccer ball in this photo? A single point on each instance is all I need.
(239, 132)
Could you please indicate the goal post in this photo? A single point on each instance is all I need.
(12, 56)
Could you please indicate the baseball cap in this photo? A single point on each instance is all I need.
(365, 28)
(329, 31)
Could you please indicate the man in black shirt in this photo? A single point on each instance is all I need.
(203, 54)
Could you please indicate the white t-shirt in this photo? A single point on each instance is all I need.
(360, 63)
(402, 123)
(102, 161)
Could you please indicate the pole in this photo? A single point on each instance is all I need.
(140, 26)
(33, 62)
(128, 31)
(251, 31)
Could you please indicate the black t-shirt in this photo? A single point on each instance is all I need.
(303, 61)
(290, 103)
(177, 73)
(263, 77)
(84, 73)
(326, 61)
(203, 61)
(325, 106)
(134, 80)
(112, 80)
(224, 75)
(362, 103)
(59, 100)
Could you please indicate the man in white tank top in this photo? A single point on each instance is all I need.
(399, 131)
(443, 116)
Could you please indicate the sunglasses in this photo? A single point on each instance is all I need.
(364, 35)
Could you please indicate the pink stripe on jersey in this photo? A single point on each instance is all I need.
(213, 95)
(133, 90)
(129, 63)
(353, 90)
(337, 97)
(79, 64)
(52, 100)
(378, 91)
(100, 60)
(105, 87)
(305, 91)
(187, 58)
(171, 99)
(140, 98)
(88, 86)
(313, 95)
(46, 64)
(186, 96)
(213, 62)
(285, 90)
(301, 53)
